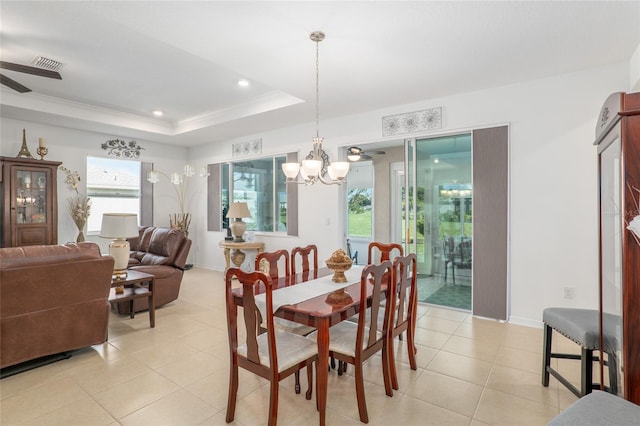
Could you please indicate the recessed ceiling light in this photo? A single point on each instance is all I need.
(243, 83)
(436, 160)
(158, 113)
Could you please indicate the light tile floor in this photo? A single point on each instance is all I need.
(471, 371)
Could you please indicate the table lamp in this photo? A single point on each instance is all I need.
(238, 211)
(119, 226)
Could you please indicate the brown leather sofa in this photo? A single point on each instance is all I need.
(163, 253)
(54, 299)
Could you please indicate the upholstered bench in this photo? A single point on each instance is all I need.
(583, 327)
(597, 409)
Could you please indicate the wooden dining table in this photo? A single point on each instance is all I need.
(319, 312)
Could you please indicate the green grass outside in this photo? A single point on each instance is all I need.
(360, 224)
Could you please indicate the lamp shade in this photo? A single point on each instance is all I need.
(119, 225)
(238, 210)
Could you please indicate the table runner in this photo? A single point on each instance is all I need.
(307, 290)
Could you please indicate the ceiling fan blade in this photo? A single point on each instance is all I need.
(30, 70)
(13, 84)
(365, 157)
(376, 152)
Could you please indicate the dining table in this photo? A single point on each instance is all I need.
(309, 298)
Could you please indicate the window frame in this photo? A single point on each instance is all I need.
(95, 191)
(220, 191)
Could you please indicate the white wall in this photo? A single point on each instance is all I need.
(553, 207)
(553, 203)
(634, 71)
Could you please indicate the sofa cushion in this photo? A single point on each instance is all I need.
(17, 257)
(163, 246)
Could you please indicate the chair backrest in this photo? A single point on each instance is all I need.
(252, 318)
(384, 251)
(308, 256)
(449, 247)
(405, 279)
(353, 255)
(464, 255)
(273, 259)
(370, 337)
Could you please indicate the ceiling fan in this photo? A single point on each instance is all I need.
(24, 69)
(356, 154)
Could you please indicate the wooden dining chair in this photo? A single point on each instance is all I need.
(404, 276)
(308, 256)
(272, 259)
(354, 343)
(274, 354)
(274, 262)
(379, 252)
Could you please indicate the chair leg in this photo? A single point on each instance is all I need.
(387, 359)
(546, 355)
(586, 367)
(233, 393)
(309, 381)
(411, 347)
(392, 365)
(362, 403)
(273, 403)
(333, 363)
(453, 272)
(297, 377)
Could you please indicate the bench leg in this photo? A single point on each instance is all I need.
(586, 366)
(546, 354)
(612, 366)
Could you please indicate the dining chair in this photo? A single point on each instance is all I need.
(267, 262)
(383, 251)
(274, 354)
(308, 256)
(272, 259)
(354, 343)
(404, 276)
(448, 247)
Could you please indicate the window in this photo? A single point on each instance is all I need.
(262, 185)
(114, 186)
(360, 200)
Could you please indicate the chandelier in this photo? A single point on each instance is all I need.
(317, 167)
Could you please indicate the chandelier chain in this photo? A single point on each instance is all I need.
(317, 88)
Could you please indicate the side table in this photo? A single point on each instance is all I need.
(134, 290)
(233, 251)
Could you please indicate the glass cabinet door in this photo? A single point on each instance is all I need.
(611, 255)
(30, 192)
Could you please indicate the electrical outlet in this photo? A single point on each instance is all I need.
(569, 292)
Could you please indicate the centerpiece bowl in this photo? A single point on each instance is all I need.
(339, 262)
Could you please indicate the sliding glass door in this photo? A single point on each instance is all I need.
(438, 217)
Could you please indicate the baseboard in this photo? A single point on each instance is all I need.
(525, 321)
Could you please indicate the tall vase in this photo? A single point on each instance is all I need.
(80, 237)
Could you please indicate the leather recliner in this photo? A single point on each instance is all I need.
(161, 252)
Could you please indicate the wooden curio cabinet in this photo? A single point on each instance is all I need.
(29, 202)
(618, 142)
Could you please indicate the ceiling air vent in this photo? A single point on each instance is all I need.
(46, 63)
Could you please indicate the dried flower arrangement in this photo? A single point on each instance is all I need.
(79, 205)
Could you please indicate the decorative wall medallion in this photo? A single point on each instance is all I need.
(243, 149)
(605, 117)
(409, 122)
(119, 148)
